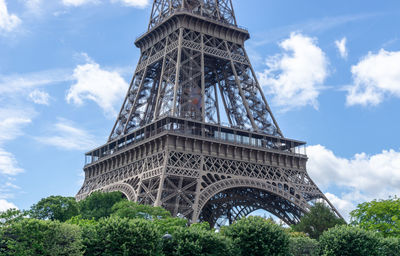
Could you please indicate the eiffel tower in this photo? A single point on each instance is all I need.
(195, 134)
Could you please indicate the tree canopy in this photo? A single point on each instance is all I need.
(99, 205)
(382, 216)
(317, 220)
(132, 210)
(55, 208)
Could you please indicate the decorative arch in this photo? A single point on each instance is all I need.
(124, 188)
(288, 207)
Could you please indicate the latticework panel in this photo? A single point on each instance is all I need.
(218, 10)
(195, 76)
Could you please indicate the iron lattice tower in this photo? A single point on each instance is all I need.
(195, 134)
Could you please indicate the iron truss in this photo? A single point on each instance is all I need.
(195, 134)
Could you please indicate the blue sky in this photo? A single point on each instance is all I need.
(330, 70)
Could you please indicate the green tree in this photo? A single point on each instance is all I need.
(98, 205)
(55, 208)
(10, 216)
(303, 246)
(256, 236)
(349, 241)
(317, 220)
(119, 237)
(132, 210)
(382, 216)
(197, 241)
(38, 237)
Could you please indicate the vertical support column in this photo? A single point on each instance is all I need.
(262, 93)
(162, 179)
(126, 97)
(246, 105)
(178, 197)
(223, 98)
(198, 187)
(156, 110)
(203, 82)
(233, 12)
(178, 71)
(217, 104)
(133, 108)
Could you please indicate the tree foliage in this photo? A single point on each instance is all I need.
(317, 220)
(99, 205)
(131, 210)
(257, 236)
(382, 216)
(120, 236)
(38, 237)
(349, 241)
(197, 241)
(11, 216)
(390, 246)
(169, 225)
(303, 246)
(55, 208)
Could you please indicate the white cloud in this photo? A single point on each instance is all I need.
(341, 46)
(7, 189)
(34, 6)
(5, 205)
(40, 97)
(8, 22)
(105, 88)
(362, 178)
(342, 205)
(8, 164)
(66, 135)
(20, 83)
(375, 76)
(133, 3)
(12, 121)
(295, 77)
(78, 2)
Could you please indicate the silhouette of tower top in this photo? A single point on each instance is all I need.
(218, 10)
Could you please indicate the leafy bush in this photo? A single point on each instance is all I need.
(256, 236)
(197, 241)
(303, 246)
(169, 225)
(39, 237)
(115, 236)
(349, 241)
(389, 246)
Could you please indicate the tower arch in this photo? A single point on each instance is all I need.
(236, 198)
